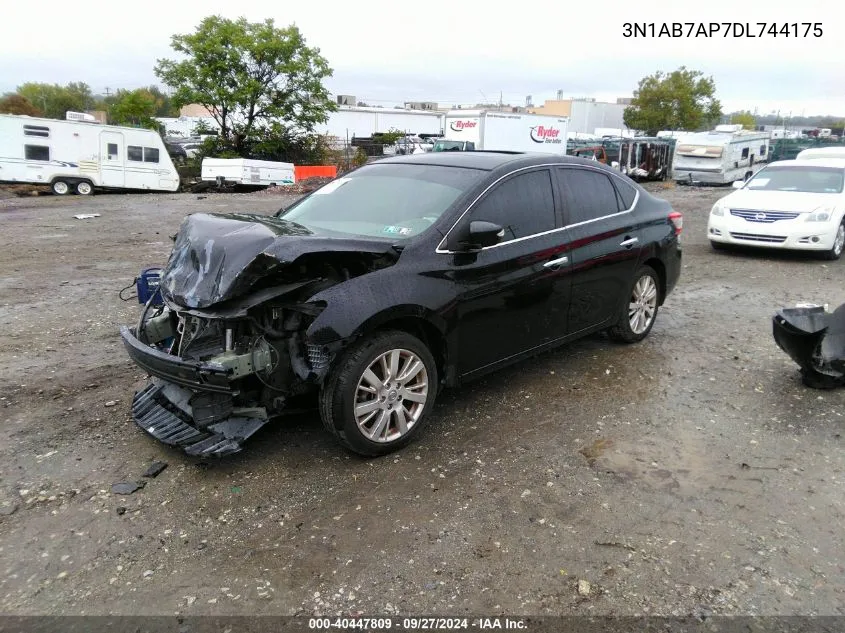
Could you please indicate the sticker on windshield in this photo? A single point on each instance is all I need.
(332, 186)
(396, 230)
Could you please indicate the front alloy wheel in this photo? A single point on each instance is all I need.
(639, 312)
(838, 243)
(378, 393)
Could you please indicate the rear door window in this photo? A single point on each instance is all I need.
(587, 195)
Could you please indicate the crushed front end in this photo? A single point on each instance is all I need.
(815, 339)
(216, 381)
(227, 348)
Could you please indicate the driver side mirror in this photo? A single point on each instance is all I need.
(738, 184)
(482, 234)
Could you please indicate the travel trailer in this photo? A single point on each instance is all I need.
(77, 155)
(723, 155)
(468, 130)
(244, 172)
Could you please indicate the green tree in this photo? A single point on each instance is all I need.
(744, 118)
(55, 100)
(133, 107)
(16, 104)
(681, 100)
(249, 75)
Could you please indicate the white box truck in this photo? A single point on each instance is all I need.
(468, 130)
(246, 172)
(80, 155)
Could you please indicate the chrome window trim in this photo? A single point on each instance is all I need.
(443, 251)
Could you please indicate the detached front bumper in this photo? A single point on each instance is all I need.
(191, 404)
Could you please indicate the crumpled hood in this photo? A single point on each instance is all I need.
(217, 257)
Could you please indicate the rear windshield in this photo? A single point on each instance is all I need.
(391, 201)
(799, 179)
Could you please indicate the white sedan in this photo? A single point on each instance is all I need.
(790, 204)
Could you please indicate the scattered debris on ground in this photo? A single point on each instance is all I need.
(154, 470)
(127, 487)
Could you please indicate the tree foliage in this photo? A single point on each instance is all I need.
(251, 77)
(138, 107)
(16, 104)
(681, 100)
(745, 118)
(55, 100)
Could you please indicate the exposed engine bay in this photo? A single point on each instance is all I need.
(227, 344)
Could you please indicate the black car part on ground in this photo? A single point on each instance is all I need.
(815, 340)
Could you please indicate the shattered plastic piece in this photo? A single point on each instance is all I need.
(815, 340)
(155, 469)
(127, 487)
(86, 216)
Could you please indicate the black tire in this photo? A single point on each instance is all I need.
(338, 395)
(833, 254)
(84, 188)
(60, 187)
(622, 331)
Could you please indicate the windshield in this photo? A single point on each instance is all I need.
(800, 179)
(448, 146)
(397, 201)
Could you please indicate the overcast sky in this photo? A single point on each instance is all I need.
(388, 52)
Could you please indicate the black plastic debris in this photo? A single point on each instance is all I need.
(127, 487)
(154, 470)
(815, 339)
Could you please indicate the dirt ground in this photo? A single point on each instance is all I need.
(690, 474)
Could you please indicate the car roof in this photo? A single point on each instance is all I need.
(489, 160)
(811, 162)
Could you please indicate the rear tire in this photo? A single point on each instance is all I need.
(84, 188)
(838, 244)
(640, 310)
(372, 407)
(60, 187)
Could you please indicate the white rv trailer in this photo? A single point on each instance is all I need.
(81, 156)
(468, 130)
(723, 155)
(247, 172)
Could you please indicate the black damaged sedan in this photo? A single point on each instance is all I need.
(384, 286)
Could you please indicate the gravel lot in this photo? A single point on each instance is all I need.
(690, 474)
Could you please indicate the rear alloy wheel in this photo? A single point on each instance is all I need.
(640, 311)
(84, 188)
(838, 243)
(60, 188)
(377, 396)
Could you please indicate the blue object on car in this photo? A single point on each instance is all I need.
(147, 286)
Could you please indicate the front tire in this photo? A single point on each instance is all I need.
(84, 188)
(378, 395)
(60, 188)
(640, 311)
(838, 244)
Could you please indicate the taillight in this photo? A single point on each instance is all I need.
(677, 220)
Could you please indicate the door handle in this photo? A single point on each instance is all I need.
(556, 263)
(629, 242)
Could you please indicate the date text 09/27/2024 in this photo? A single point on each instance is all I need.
(722, 29)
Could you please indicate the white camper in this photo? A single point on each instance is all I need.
(78, 155)
(720, 156)
(468, 130)
(247, 172)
